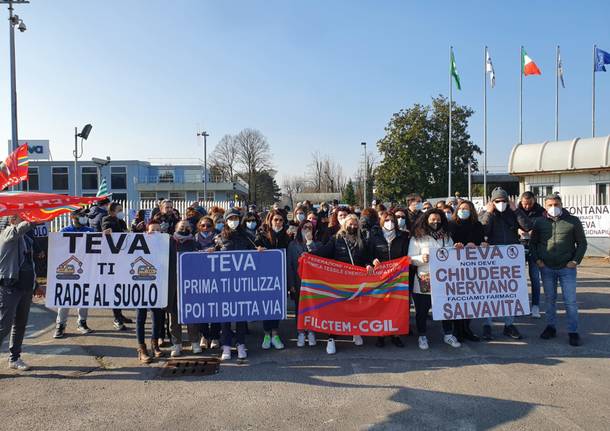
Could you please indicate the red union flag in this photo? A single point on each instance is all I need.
(40, 207)
(14, 169)
(342, 299)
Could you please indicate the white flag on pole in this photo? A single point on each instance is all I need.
(560, 69)
(489, 68)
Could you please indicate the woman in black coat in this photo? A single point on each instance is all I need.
(348, 246)
(273, 236)
(466, 229)
(388, 243)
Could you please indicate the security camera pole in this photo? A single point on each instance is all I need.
(14, 20)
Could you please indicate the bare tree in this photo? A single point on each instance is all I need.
(292, 186)
(315, 172)
(252, 152)
(224, 158)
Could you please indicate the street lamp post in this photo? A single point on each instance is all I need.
(205, 163)
(83, 135)
(14, 20)
(366, 169)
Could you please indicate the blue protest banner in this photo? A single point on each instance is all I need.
(231, 286)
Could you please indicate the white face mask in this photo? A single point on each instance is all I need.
(419, 206)
(554, 211)
(389, 225)
(300, 217)
(277, 229)
(233, 224)
(341, 220)
(501, 206)
(251, 225)
(120, 215)
(83, 220)
(402, 222)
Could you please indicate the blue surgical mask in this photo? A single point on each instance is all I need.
(219, 226)
(251, 225)
(463, 214)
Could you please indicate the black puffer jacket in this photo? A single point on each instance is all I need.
(238, 239)
(380, 249)
(114, 224)
(501, 228)
(277, 241)
(464, 231)
(337, 248)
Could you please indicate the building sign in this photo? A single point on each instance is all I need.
(38, 149)
(595, 219)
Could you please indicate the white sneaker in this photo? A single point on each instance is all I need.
(176, 350)
(18, 365)
(215, 344)
(452, 341)
(242, 351)
(276, 342)
(358, 341)
(311, 339)
(535, 312)
(330, 347)
(196, 348)
(423, 342)
(301, 339)
(226, 353)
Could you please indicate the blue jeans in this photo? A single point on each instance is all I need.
(534, 273)
(157, 315)
(567, 280)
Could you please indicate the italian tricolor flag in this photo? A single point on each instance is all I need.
(528, 67)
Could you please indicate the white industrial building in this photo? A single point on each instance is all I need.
(579, 170)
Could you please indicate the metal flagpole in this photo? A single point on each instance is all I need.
(521, 97)
(450, 126)
(593, 98)
(557, 94)
(485, 124)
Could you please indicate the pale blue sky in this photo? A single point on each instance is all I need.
(311, 75)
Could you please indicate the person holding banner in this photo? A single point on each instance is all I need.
(466, 230)
(114, 222)
(251, 223)
(386, 244)
(206, 237)
(273, 236)
(559, 244)
(183, 241)
(501, 223)
(347, 246)
(532, 210)
(304, 242)
(16, 285)
(429, 233)
(335, 223)
(78, 223)
(232, 238)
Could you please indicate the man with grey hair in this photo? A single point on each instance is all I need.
(558, 244)
(16, 285)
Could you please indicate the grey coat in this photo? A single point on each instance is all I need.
(12, 249)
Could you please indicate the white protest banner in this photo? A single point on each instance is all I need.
(595, 219)
(477, 282)
(119, 270)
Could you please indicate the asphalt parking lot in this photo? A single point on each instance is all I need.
(96, 382)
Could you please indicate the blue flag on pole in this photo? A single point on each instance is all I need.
(601, 59)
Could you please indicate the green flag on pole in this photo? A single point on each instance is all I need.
(103, 190)
(454, 72)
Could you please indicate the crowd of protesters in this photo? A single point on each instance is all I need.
(554, 241)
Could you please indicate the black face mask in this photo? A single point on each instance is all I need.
(434, 226)
(184, 232)
(352, 230)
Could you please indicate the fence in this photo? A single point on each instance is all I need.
(130, 207)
